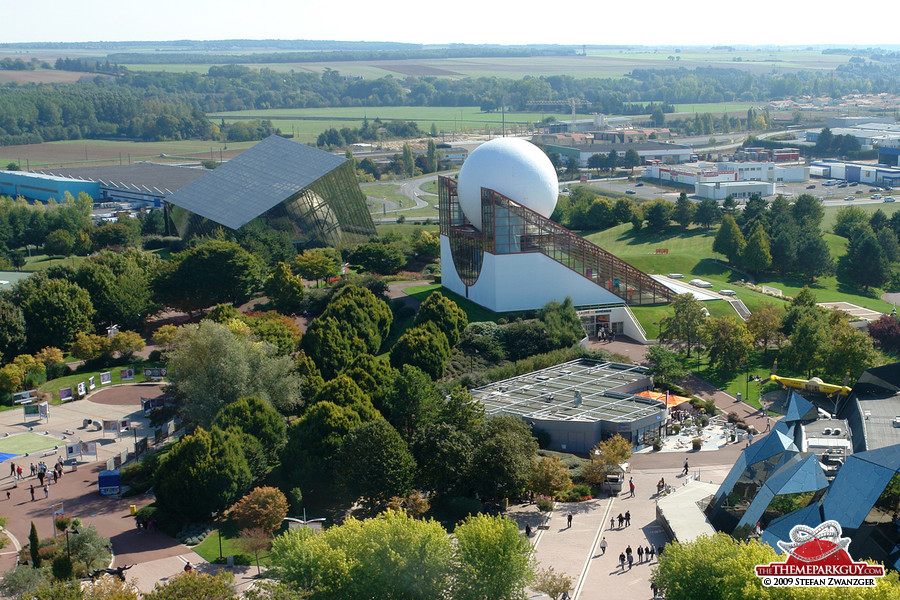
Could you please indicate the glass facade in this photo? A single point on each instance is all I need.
(509, 228)
(329, 212)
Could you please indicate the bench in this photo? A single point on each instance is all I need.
(47, 453)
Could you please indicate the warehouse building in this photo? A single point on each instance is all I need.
(580, 403)
(41, 187)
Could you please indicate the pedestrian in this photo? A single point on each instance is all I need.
(12, 468)
(612, 522)
(627, 518)
(768, 423)
(19, 473)
(628, 551)
(630, 561)
(46, 492)
(621, 520)
(7, 494)
(654, 589)
(188, 568)
(648, 551)
(527, 530)
(569, 520)
(603, 546)
(749, 439)
(631, 485)
(622, 560)
(40, 477)
(686, 467)
(55, 476)
(32, 493)
(32, 469)
(640, 552)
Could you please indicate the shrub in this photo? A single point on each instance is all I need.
(704, 421)
(676, 428)
(62, 568)
(460, 507)
(696, 443)
(544, 503)
(155, 356)
(657, 445)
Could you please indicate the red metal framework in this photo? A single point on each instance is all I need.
(510, 228)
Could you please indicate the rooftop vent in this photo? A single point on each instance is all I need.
(827, 431)
(837, 431)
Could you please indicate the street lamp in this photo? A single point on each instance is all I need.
(73, 532)
(219, 530)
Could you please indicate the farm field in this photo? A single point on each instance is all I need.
(72, 153)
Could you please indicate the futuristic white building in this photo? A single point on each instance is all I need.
(500, 249)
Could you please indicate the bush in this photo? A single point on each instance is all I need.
(657, 445)
(676, 428)
(542, 437)
(704, 421)
(191, 535)
(576, 493)
(696, 443)
(460, 507)
(62, 568)
(155, 356)
(544, 503)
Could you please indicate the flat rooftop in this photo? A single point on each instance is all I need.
(580, 390)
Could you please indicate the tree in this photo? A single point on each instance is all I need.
(90, 548)
(423, 346)
(808, 339)
(495, 561)
(886, 331)
(12, 330)
(553, 584)
(657, 116)
(376, 463)
(658, 214)
(343, 391)
(126, 343)
(284, 289)
(329, 347)
(426, 244)
(684, 211)
(409, 164)
(107, 587)
(503, 459)
(195, 586)
(728, 343)
(849, 218)
(213, 272)
(606, 458)
(632, 159)
(808, 211)
(263, 509)
(389, 556)
(257, 418)
(23, 581)
(562, 324)
(666, 367)
(59, 242)
(317, 264)
(34, 547)
(756, 256)
(729, 240)
(120, 287)
(375, 377)
(449, 318)
(549, 475)
(784, 249)
(864, 263)
(360, 315)
(729, 205)
(596, 161)
(314, 441)
(443, 454)
(683, 328)
(848, 350)
(824, 141)
(612, 161)
(377, 257)
(412, 401)
(54, 311)
(203, 473)
(764, 324)
(255, 541)
(165, 336)
(431, 157)
(813, 257)
(210, 367)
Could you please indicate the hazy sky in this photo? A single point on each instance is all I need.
(647, 22)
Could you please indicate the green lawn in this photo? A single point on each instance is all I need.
(209, 549)
(25, 443)
(52, 387)
(39, 262)
(474, 311)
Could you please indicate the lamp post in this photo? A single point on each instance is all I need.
(73, 532)
(219, 531)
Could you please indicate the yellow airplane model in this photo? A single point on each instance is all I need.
(811, 385)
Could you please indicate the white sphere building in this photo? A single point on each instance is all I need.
(500, 249)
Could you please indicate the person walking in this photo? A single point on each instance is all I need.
(569, 520)
(19, 473)
(686, 467)
(622, 560)
(612, 522)
(46, 491)
(527, 530)
(627, 518)
(12, 469)
(621, 520)
(603, 546)
(648, 551)
(630, 561)
(32, 493)
(768, 423)
(640, 552)
(631, 485)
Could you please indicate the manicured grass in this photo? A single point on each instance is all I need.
(209, 549)
(28, 442)
(830, 217)
(473, 311)
(404, 228)
(39, 262)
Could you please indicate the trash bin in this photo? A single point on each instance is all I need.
(133, 509)
(229, 560)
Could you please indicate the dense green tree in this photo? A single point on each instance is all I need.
(431, 157)
(375, 463)
(317, 264)
(23, 581)
(848, 350)
(409, 164)
(813, 257)
(684, 211)
(112, 235)
(375, 377)
(327, 344)
(276, 329)
(728, 343)
(495, 561)
(377, 257)
(210, 367)
(257, 418)
(423, 346)
(449, 318)
(361, 315)
(343, 391)
(807, 211)
(708, 213)
(864, 263)
(756, 256)
(412, 401)
(596, 161)
(426, 244)
(784, 249)
(54, 310)
(612, 161)
(890, 247)
(808, 338)
(389, 556)
(632, 159)
(443, 454)
(34, 547)
(213, 272)
(503, 457)
(284, 289)
(59, 242)
(849, 218)
(764, 324)
(658, 214)
(120, 287)
(729, 240)
(314, 440)
(666, 366)
(12, 330)
(90, 548)
(683, 328)
(729, 206)
(562, 324)
(203, 473)
(824, 141)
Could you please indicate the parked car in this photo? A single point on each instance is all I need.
(842, 185)
(889, 199)
(639, 184)
(876, 196)
(854, 184)
(630, 192)
(849, 198)
(811, 187)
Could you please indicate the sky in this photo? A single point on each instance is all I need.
(649, 22)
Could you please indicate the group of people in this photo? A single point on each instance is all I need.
(648, 552)
(41, 471)
(606, 334)
(622, 519)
